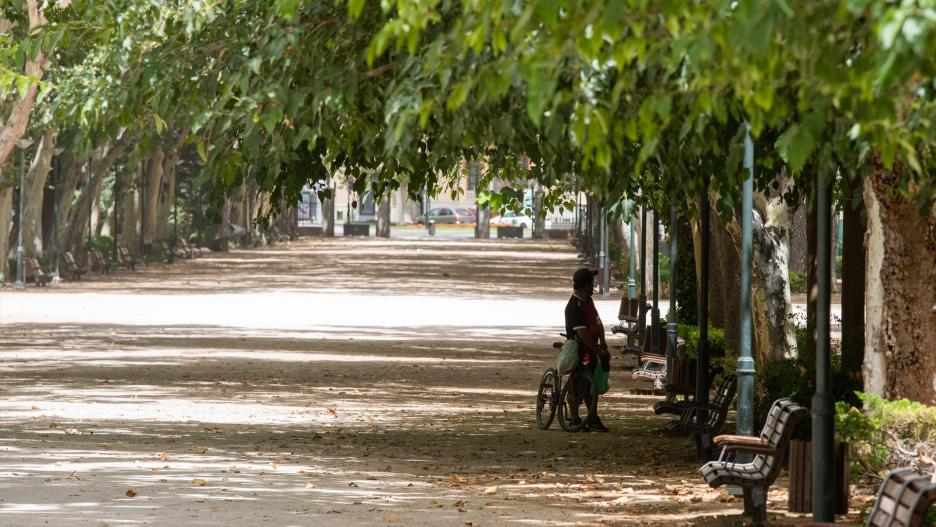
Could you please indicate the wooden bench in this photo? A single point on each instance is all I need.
(629, 318)
(170, 252)
(903, 500)
(72, 267)
(755, 476)
(675, 406)
(32, 272)
(652, 367)
(191, 250)
(716, 412)
(126, 257)
(99, 263)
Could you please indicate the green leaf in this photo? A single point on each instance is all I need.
(22, 86)
(202, 152)
(355, 7)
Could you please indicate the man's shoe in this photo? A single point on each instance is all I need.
(598, 426)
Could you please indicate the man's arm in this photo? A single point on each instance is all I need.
(586, 339)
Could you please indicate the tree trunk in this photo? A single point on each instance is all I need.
(483, 223)
(383, 217)
(65, 188)
(34, 194)
(328, 217)
(167, 197)
(15, 126)
(695, 227)
(798, 241)
(78, 220)
(539, 215)
(225, 228)
(153, 188)
(129, 214)
(900, 354)
(853, 291)
(725, 286)
(6, 221)
(773, 329)
(686, 282)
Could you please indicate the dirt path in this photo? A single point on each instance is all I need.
(327, 382)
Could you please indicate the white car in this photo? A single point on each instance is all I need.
(517, 220)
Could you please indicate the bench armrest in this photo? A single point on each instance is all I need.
(653, 358)
(726, 438)
(749, 448)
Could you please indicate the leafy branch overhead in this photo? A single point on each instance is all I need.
(638, 99)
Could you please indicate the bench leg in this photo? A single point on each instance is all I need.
(755, 504)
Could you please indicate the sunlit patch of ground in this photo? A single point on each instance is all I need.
(329, 382)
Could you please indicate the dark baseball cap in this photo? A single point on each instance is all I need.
(583, 276)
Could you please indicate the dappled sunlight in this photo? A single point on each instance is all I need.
(335, 382)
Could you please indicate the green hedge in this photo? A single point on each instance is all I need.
(874, 433)
(797, 282)
(716, 338)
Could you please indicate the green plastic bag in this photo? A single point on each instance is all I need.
(601, 379)
(568, 357)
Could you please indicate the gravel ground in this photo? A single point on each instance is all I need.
(324, 382)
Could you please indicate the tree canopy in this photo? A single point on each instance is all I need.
(619, 98)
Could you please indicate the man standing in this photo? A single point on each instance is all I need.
(584, 324)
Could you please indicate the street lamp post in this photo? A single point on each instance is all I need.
(745, 369)
(602, 226)
(90, 205)
(655, 313)
(631, 281)
(20, 271)
(823, 411)
(642, 308)
(672, 329)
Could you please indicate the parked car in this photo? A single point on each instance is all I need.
(446, 216)
(516, 220)
(465, 215)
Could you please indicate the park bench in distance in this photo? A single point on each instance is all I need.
(32, 272)
(169, 251)
(99, 263)
(629, 325)
(126, 257)
(903, 500)
(717, 412)
(191, 250)
(673, 405)
(757, 475)
(72, 268)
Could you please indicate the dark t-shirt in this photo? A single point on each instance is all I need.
(582, 314)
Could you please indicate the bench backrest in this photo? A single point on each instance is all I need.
(781, 421)
(630, 308)
(721, 400)
(903, 499)
(31, 268)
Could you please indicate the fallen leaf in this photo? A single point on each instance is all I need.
(200, 450)
(130, 493)
(199, 482)
(490, 490)
(392, 517)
